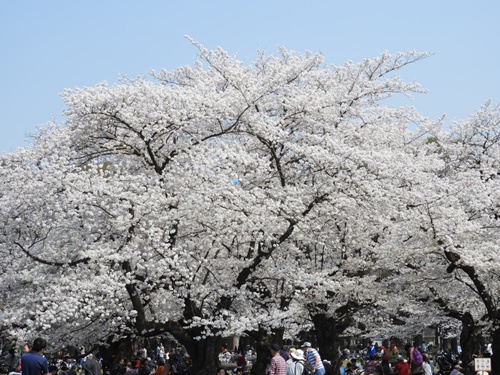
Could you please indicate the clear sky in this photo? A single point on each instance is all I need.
(47, 46)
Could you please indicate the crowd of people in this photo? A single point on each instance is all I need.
(296, 361)
(304, 360)
(415, 360)
(32, 360)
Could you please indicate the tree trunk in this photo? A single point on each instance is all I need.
(495, 345)
(327, 336)
(263, 357)
(263, 343)
(328, 330)
(123, 348)
(204, 355)
(469, 338)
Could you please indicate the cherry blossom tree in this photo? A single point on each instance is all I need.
(471, 245)
(459, 223)
(215, 199)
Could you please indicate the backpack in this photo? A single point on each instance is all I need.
(304, 368)
(416, 358)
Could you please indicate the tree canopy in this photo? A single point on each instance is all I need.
(224, 198)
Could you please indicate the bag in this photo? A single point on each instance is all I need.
(416, 358)
(306, 367)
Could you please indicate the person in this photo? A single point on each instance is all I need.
(278, 365)
(152, 364)
(393, 353)
(296, 364)
(353, 367)
(431, 364)
(144, 367)
(119, 368)
(18, 367)
(457, 370)
(284, 354)
(177, 364)
(12, 360)
(100, 364)
(72, 370)
(131, 369)
(161, 367)
(402, 367)
(385, 366)
(412, 351)
(344, 354)
(426, 365)
(221, 371)
(489, 349)
(423, 347)
(445, 360)
(313, 358)
(91, 366)
(33, 362)
(371, 349)
(241, 361)
(373, 366)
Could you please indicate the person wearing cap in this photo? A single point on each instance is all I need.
(314, 359)
(457, 370)
(278, 365)
(296, 365)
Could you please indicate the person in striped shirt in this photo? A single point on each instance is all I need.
(314, 359)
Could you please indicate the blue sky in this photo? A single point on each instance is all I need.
(47, 46)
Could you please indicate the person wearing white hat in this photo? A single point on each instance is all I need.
(297, 363)
(314, 359)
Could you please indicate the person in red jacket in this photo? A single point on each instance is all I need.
(402, 367)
